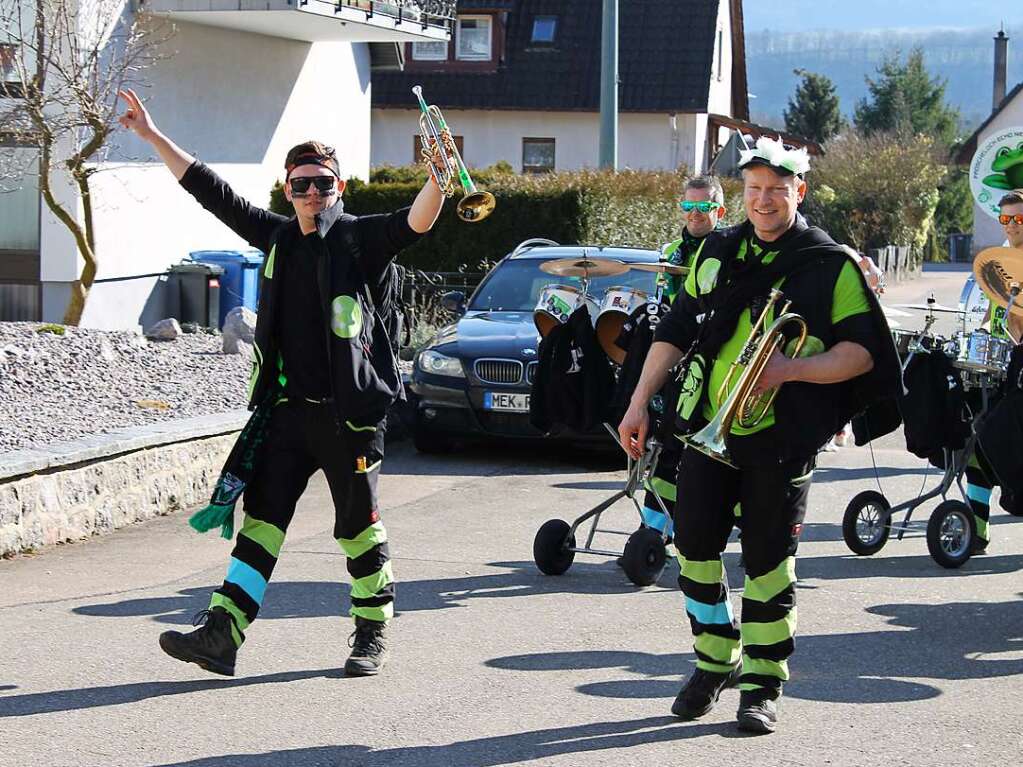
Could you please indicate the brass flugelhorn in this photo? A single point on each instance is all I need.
(742, 405)
(450, 171)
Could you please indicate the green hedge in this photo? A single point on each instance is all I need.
(587, 207)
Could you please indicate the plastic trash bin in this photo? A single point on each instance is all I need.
(959, 246)
(196, 298)
(240, 283)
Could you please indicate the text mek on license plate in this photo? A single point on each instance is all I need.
(518, 403)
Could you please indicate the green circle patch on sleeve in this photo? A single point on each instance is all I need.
(707, 275)
(345, 317)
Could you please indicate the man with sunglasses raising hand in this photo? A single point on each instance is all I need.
(324, 374)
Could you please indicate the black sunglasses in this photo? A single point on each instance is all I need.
(323, 184)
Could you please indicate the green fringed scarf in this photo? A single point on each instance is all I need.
(238, 471)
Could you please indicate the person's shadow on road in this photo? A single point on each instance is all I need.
(952, 641)
(492, 751)
(320, 599)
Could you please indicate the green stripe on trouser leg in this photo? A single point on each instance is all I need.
(372, 575)
(715, 633)
(768, 627)
(978, 492)
(240, 622)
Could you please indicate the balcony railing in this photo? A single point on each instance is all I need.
(436, 13)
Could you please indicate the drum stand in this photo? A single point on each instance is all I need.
(644, 556)
(951, 529)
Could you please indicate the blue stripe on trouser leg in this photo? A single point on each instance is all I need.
(978, 492)
(245, 576)
(656, 519)
(716, 635)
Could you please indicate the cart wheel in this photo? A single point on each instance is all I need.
(950, 534)
(644, 556)
(552, 547)
(866, 523)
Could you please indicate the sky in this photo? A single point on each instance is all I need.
(799, 15)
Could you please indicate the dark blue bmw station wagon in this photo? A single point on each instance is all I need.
(472, 380)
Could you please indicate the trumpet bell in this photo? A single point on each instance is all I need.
(711, 441)
(475, 206)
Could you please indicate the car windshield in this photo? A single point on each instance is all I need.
(515, 285)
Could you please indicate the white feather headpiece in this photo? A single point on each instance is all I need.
(774, 153)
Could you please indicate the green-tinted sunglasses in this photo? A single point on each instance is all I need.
(704, 206)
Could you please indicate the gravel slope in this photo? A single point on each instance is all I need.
(55, 388)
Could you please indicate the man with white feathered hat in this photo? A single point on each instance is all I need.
(847, 363)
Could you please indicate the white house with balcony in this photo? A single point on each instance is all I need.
(520, 82)
(241, 82)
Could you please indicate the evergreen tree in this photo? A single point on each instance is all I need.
(905, 99)
(813, 112)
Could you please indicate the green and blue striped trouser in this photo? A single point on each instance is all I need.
(302, 438)
(773, 501)
(978, 491)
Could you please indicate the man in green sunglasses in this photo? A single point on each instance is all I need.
(703, 209)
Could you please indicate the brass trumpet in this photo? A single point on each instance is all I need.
(741, 405)
(475, 205)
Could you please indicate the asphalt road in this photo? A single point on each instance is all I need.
(898, 661)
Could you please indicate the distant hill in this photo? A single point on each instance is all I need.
(963, 57)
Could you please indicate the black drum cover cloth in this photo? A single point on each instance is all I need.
(574, 381)
(933, 406)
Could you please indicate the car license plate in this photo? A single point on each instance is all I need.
(516, 403)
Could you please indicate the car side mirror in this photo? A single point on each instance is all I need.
(453, 301)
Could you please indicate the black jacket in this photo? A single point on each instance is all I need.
(574, 381)
(933, 405)
(354, 267)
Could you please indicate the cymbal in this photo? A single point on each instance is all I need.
(890, 312)
(585, 267)
(932, 308)
(661, 267)
(996, 269)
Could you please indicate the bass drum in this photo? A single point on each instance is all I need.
(556, 304)
(618, 305)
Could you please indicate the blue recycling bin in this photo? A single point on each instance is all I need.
(239, 285)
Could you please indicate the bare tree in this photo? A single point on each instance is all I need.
(66, 61)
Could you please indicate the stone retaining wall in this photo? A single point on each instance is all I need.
(98, 485)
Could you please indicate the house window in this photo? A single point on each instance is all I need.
(537, 155)
(417, 147)
(544, 28)
(435, 50)
(473, 38)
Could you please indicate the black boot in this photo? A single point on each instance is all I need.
(369, 648)
(211, 646)
(701, 691)
(758, 711)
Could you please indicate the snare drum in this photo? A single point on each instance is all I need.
(617, 306)
(556, 304)
(980, 351)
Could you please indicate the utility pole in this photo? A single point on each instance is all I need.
(609, 87)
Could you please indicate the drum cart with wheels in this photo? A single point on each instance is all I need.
(644, 555)
(555, 544)
(951, 528)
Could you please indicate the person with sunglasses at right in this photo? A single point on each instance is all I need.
(979, 480)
